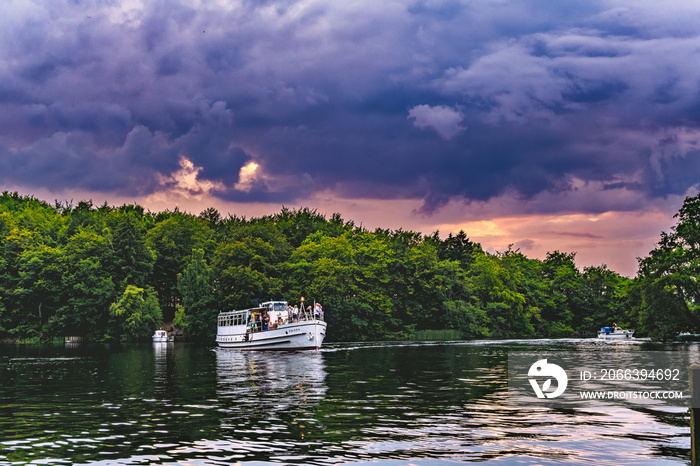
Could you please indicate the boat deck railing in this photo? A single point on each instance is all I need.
(303, 317)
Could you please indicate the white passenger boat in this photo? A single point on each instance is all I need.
(271, 326)
(614, 333)
(161, 336)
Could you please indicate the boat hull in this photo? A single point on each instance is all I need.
(624, 335)
(688, 337)
(307, 335)
(161, 336)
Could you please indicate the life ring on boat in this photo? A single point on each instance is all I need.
(310, 335)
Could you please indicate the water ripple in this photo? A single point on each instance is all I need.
(391, 404)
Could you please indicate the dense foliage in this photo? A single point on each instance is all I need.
(115, 273)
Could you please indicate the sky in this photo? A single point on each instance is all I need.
(566, 125)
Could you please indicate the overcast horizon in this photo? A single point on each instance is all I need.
(570, 126)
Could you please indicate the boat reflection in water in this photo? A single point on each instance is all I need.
(160, 373)
(269, 382)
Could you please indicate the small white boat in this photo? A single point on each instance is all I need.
(269, 327)
(161, 336)
(614, 333)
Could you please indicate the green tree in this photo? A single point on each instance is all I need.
(245, 271)
(3, 330)
(34, 215)
(460, 307)
(88, 289)
(323, 268)
(40, 282)
(134, 260)
(603, 299)
(496, 279)
(297, 225)
(561, 310)
(137, 313)
(458, 248)
(668, 278)
(29, 280)
(211, 216)
(197, 315)
(173, 240)
(83, 215)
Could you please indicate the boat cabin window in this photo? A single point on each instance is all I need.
(232, 318)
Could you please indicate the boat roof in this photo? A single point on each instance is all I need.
(262, 307)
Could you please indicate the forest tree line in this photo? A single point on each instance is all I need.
(117, 273)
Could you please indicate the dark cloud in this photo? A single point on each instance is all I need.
(574, 234)
(431, 100)
(443, 10)
(525, 245)
(39, 72)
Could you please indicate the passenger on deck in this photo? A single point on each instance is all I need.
(295, 314)
(266, 321)
(252, 323)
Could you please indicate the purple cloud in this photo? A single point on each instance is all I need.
(528, 100)
(444, 120)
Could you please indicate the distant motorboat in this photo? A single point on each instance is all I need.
(269, 327)
(614, 333)
(686, 336)
(161, 336)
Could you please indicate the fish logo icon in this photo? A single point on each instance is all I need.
(542, 369)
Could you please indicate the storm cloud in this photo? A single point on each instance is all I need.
(431, 100)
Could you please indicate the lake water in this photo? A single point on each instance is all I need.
(384, 403)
